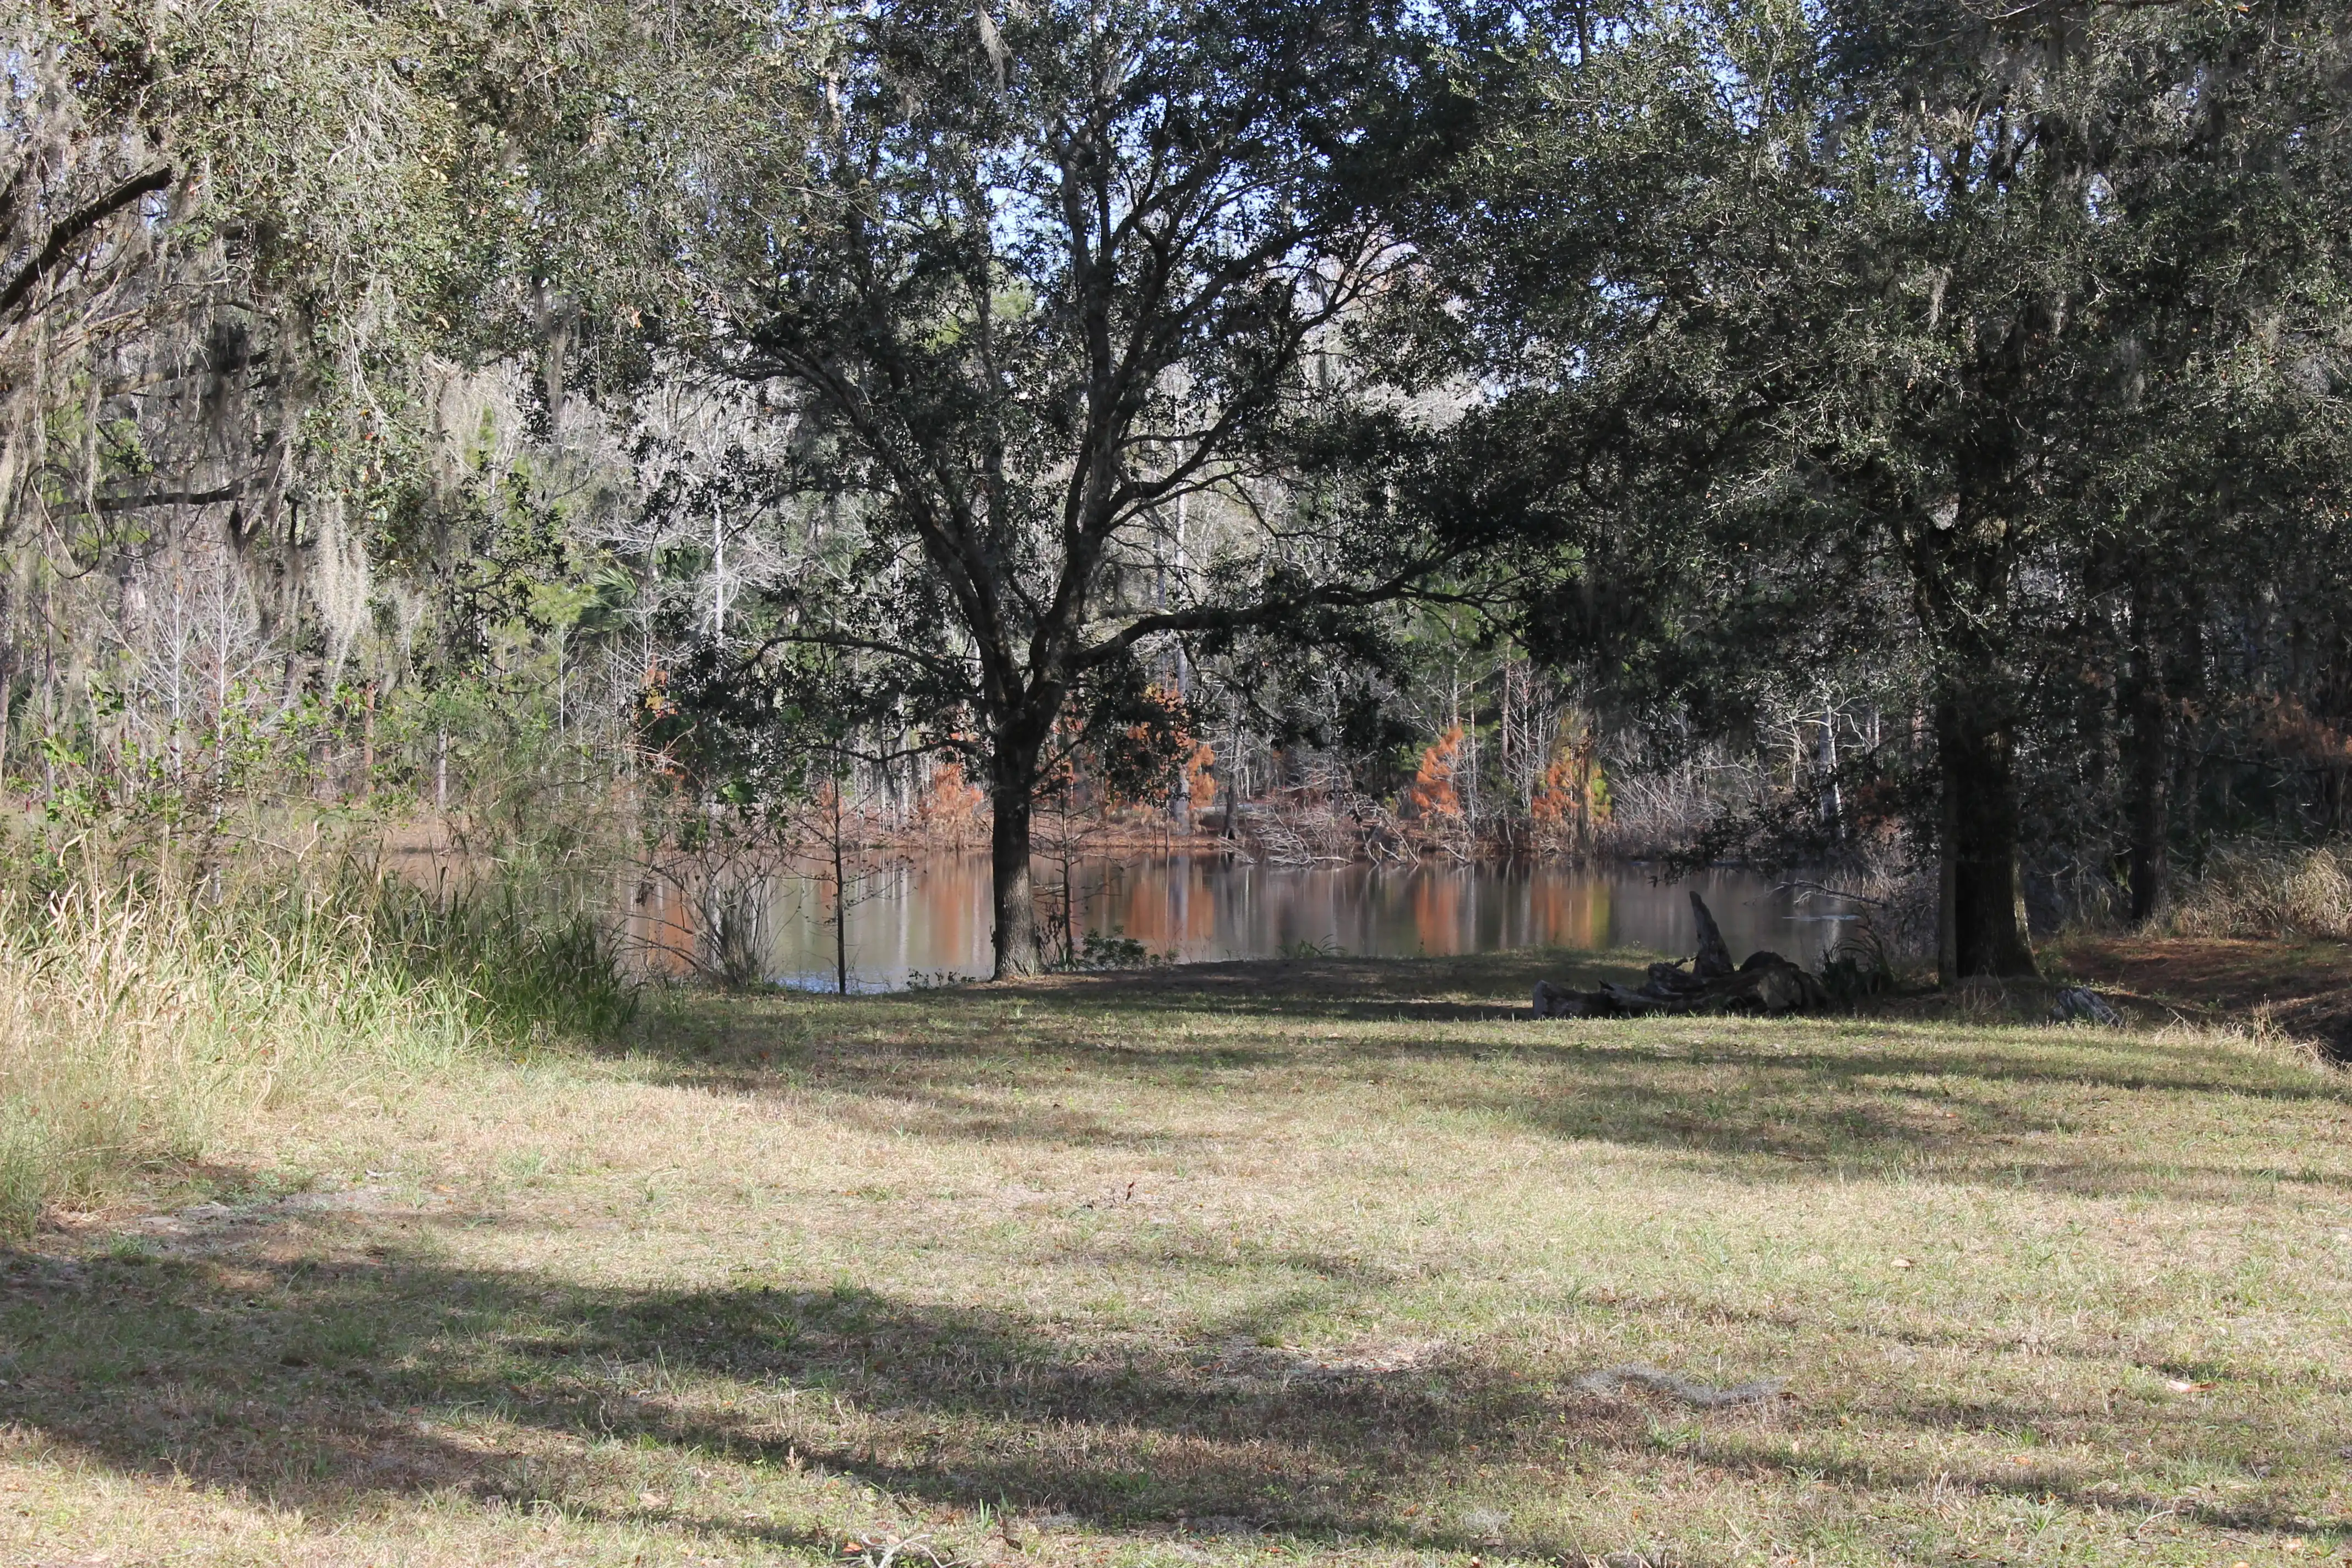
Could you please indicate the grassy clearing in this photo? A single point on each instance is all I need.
(1224, 1266)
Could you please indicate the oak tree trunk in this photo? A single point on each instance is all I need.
(1983, 912)
(1011, 796)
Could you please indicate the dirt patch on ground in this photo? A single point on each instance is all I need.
(2302, 989)
(1459, 987)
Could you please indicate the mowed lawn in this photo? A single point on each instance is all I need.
(1230, 1265)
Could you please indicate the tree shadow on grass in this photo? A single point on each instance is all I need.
(1950, 1115)
(1488, 987)
(334, 1383)
(2075, 1485)
(345, 1376)
(1108, 1020)
(1759, 1100)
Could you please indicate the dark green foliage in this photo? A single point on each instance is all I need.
(1883, 348)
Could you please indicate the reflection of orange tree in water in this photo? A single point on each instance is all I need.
(1571, 914)
(1146, 763)
(1164, 905)
(1437, 913)
(1561, 913)
(1067, 826)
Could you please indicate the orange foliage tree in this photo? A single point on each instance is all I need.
(950, 808)
(1432, 791)
(1574, 795)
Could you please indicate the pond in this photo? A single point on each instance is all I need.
(926, 919)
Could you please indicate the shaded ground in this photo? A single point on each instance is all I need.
(2300, 988)
(2217, 975)
(1219, 1265)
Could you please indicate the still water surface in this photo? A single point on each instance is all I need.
(929, 918)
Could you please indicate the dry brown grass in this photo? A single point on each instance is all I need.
(130, 1039)
(1226, 1266)
(2256, 888)
(137, 1033)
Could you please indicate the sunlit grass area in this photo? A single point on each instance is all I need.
(1216, 1265)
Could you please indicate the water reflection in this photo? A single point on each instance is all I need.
(929, 918)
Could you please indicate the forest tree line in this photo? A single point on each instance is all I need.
(1860, 430)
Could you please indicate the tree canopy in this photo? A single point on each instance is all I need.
(1929, 416)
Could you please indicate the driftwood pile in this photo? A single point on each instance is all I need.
(1767, 983)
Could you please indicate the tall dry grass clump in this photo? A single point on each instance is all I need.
(137, 1031)
(2270, 889)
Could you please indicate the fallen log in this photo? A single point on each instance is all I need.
(1767, 983)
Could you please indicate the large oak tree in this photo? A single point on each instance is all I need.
(1055, 273)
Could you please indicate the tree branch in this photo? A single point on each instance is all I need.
(1267, 612)
(229, 492)
(73, 224)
